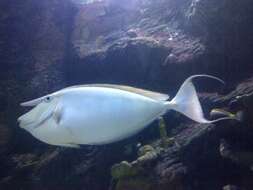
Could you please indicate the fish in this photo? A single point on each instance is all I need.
(97, 114)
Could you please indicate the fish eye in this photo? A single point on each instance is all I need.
(47, 99)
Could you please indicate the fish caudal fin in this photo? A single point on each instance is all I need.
(186, 101)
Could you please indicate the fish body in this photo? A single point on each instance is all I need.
(102, 114)
(97, 115)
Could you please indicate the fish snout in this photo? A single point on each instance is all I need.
(20, 122)
(32, 103)
(23, 121)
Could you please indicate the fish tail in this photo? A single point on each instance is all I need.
(187, 102)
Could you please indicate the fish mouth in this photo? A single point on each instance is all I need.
(26, 124)
(32, 124)
(23, 123)
(38, 115)
(30, 121)
(29, 126)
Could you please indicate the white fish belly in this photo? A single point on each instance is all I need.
(102, 115)
(49, 132)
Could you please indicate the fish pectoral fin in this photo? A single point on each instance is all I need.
(58, 113)
(70, 145)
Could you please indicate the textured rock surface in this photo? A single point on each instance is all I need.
(45, 45)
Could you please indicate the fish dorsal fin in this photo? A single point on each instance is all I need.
(147, 93)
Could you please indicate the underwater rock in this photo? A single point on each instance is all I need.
(47, 45)
(244, 158)
(182, 31)
(134, 184)
(245, 100)
(33, 53)
(211, 21)
(165, 140)
(132, 33)
(140, 44)
(122, 170)
(125, 169)
(230, 187)
(171, 58)
(244, 103)
(219, 113)
(133, 175)
(146, 154)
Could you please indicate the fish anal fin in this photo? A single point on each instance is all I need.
(70, 145)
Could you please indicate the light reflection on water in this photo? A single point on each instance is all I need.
(86, 1)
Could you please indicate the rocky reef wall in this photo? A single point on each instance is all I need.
(50, 44)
